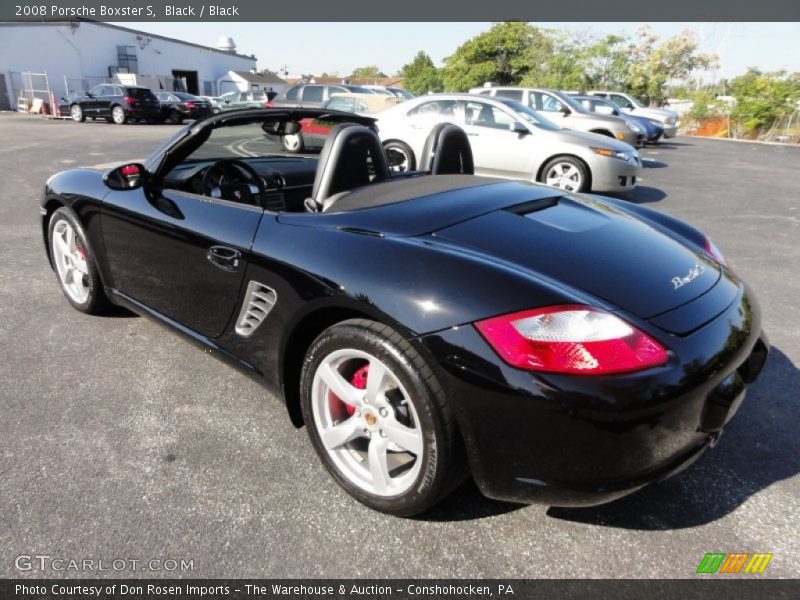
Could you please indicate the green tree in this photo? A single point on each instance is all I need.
(764, 98)
(607, 61)
(421, 76)
(557, 60)
(368, 72)
(506, 54)
(655, 63)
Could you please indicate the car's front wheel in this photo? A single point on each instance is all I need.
(76, 112)
(74, 263)
(118, 115)
(567, 173)
(379, 419)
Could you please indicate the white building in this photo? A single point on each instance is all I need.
(78, 55)
(244, 81)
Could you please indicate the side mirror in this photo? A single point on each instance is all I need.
(126, 177)
(519, 128)
(565, 110)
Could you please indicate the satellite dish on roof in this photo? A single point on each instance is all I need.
(226, 44)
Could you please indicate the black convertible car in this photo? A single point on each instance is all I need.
(425, 326)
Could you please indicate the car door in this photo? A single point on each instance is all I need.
(111, 94)
(419, 121)
(497, 150)
(552, 107)
(180, 254)
(91, 102)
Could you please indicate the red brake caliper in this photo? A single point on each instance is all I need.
(359, 381)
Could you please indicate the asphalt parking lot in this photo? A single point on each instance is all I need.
(121, 440)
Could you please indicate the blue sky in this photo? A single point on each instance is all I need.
(340, 47)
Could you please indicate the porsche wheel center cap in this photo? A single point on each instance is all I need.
(370, 419)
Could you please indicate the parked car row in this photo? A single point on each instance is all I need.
(120, 104)
(577, 142)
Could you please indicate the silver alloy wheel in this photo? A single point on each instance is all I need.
(378, 447)
(118, 115)
(291, 142)
(77, 113)
(70, 260)
(398, 159)
(564, 175)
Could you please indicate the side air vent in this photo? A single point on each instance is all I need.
(258, 301)
(278, 180)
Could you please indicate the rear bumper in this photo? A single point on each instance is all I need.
(579, 441)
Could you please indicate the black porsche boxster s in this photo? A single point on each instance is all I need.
(424, 326)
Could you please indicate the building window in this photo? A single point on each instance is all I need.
(126, 59)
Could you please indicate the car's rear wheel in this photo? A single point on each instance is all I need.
(76, 112)
(400, 156)
(174, 118)
(118, 115)
(567, 173)
(293, 142)
(74, 263)
(379, 419)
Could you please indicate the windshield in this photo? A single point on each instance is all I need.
(360, 90)
(572, 103)
(636, 102)
(531, 116)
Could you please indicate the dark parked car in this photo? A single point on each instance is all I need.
(561, 348)
(314, 95)
(177, 106)
(116, 103)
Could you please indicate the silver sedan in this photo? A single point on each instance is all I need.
(510, 140)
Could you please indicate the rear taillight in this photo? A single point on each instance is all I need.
(714, 252)
(130, 170)
(571, 339)
(129, 100)
(189, 104)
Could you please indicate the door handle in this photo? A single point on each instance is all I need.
(474, 134)
(223, 257)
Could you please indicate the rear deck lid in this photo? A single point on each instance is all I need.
(591, 246)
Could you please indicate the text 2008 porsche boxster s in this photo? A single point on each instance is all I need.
(424, 326)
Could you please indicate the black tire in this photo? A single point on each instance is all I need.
(400, 151)
(118, 115)
(174, 117)
(293, 148)
(444, 464)
(77, 113)
(96, 302)
(586, 178)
